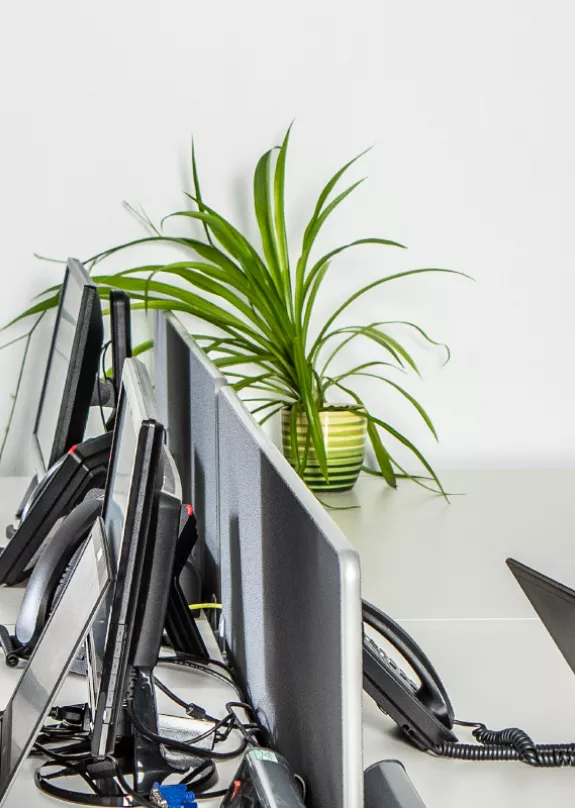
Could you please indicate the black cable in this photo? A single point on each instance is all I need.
(103, 367)
(205, 662)
(200, 776)
(71, 766)
(508, 744)
(138, 798)
(192, 662)
(189, 749)
(191, 709)
(170, 694)
(212, 795)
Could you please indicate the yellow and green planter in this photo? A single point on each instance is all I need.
(344, 432)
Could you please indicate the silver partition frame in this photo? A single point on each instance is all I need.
(187, 383)
(292, 610)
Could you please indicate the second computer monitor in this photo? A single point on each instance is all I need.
(141, 517)
(186, 388)
(72, 368)
(292, 610)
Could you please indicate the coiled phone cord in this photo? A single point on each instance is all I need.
(508, 744)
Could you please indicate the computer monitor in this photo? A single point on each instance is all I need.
(554, 603)
(186, 388)
(141, 516)
(291, 609)
(72, 368)
(48, 666)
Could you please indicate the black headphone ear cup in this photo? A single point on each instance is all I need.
(63, 582)
(53, 563)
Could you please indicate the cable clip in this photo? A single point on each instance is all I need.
(195, 711)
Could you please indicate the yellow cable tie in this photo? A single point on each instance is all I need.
(205, 606)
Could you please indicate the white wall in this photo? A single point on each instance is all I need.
(470, 107)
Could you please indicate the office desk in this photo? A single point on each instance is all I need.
(188, 685)
(440, 570)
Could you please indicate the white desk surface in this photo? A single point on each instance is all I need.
(439, 569)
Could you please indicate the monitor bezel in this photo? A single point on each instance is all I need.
(82, 372)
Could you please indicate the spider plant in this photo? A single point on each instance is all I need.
(260, 302)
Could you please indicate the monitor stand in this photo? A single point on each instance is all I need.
(181, 627)
(135, 754)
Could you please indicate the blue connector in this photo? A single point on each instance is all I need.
(176, 796)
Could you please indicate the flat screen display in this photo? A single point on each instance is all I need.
(128, 503)
(53, 657)
(58, 365)
(71, 370)
(114, 517)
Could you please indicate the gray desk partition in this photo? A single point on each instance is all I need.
(292, 610)
(186, 386)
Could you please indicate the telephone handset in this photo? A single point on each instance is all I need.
(423, 711)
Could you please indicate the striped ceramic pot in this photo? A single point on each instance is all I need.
(344, 433)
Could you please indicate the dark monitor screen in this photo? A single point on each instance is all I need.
(52, 657)
(292, 610)
(140, 523)
(71, 370)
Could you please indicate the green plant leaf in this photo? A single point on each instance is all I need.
(358, 331)
(403, 392)
(309, 238)
(381, 455)
(373, 285)
(399, 437)
(240, 249)
(328, 256)
(310, 407)
(197, 191)
(328, 382)
(279, 215)
(269, 415)
(143, 347)
(332, 183)
(264, 216)
(423, 334)
(315, 287)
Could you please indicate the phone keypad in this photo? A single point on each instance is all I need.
(389, 663)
